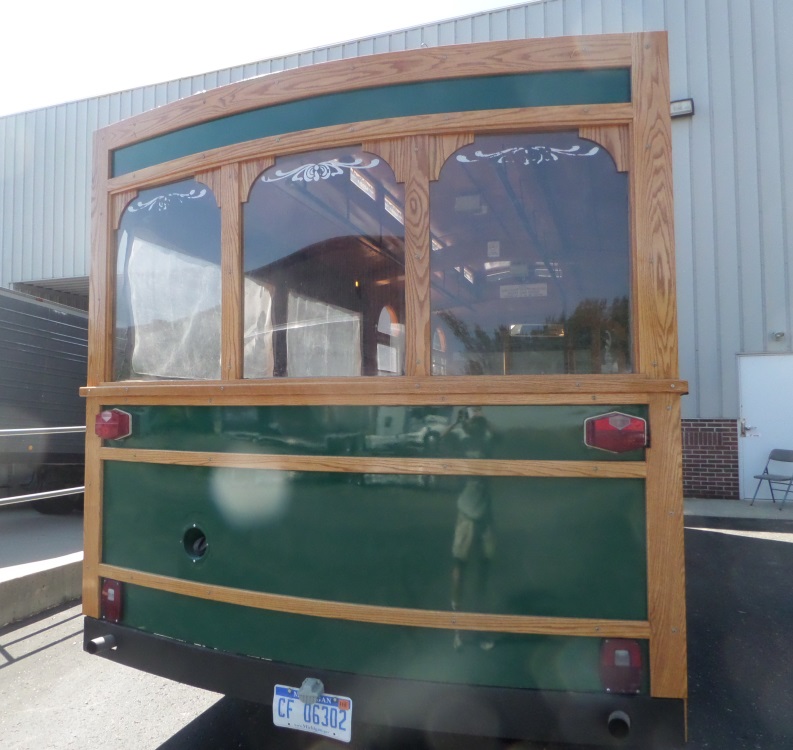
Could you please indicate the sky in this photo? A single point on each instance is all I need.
(53, 52)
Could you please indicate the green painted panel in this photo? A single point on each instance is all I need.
(519, 432)
(518, 661)
(545, 89)
(554, 547)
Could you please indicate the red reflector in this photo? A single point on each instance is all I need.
(616, 432)
(113, 424)
(621, 666)
(111, 603)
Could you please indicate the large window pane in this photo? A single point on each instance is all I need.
(530, 261)
(168, 285)
(324, 261)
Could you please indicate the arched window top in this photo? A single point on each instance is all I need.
(323, 255)
(167, 322)
(387, 321)
(531, 258)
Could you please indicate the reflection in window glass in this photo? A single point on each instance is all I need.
(168, 285)
(530, 261)
(323, 258)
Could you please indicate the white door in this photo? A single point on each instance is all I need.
(766, 393)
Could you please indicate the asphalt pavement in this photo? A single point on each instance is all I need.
(738, 563)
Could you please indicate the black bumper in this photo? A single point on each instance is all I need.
(578, 718)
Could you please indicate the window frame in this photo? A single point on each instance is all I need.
(416, 147)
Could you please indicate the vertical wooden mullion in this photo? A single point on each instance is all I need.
(666, 590)
(418, 359)
(92, 514)
(652, 220)
(231, 354)
(101, 287)
(224, 183)
(100, 365)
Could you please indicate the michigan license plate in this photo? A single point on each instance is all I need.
(330, 716)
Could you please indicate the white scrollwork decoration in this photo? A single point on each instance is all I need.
(162, 202)
(322, 171)
(532, 155)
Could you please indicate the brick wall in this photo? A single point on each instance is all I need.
(710, 458)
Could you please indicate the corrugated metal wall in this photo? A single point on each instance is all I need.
(733, 164)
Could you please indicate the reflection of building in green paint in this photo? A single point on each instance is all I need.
(521, 432)
(565, 547)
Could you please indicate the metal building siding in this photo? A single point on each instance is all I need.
(733, 163)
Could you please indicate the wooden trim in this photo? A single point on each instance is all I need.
(394, 151)
(613, 138)
(375, 465)
(101, 287)
(249, 172)
(232, 301)
(483, 121)
(118, 204)
(505, 389)
(211, 178)
(447, 62)
(442, 147)
(418, 341)
(666, 575)
(417, 618)
(92, 515)
(655, 305)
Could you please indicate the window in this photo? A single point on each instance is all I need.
(168, 285)
(530, 264)
(323, 256)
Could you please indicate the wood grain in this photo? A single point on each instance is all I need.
(119, 203)
(666, 580)
(374, 465)
(395, 152)
(442, 147)
(418, 359)
(482, 121)
(211, 178)
(101, 285)
(519, 389)
(232, 299)
(447, 62)
(655, 304)
(250, 171)
(92, 515)
(417, 618)
(615, 139)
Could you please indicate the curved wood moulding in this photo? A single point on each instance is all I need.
(453, 123)
(456, 61)
(375, 465)
(416, 618)
(119, 203)
(615, 139)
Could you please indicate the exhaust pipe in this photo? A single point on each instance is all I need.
(100, 644)
(619, 724)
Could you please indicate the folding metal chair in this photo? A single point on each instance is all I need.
(780, 481)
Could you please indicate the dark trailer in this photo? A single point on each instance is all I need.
(43, 361)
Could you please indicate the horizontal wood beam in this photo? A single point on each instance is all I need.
(388, 69)
(460, 390)
(532, 119)
(417, 618)
(375, 465)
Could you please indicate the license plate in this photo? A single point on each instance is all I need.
(330, 716)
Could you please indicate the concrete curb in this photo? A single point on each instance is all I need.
(54, 582)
